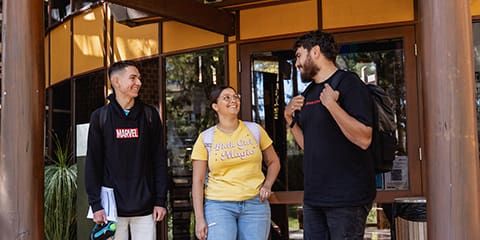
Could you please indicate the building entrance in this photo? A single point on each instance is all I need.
(274, 80)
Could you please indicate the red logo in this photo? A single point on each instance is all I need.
(313, 102)
(127, 132)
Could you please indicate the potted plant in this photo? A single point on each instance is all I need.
(60, 192)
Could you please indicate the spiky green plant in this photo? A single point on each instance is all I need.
(60, 193)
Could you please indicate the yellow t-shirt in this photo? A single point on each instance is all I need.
(235, 166)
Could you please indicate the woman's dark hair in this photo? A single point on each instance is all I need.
(216, 91)
(324, 40)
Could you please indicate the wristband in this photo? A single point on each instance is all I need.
(292, 124)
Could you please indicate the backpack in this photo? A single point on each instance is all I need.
(104, 111)
(384, 140)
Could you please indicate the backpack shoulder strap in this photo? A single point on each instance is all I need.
(103, 116)
(147, 110)
(254, 129)
(207, 137)
(337, 78)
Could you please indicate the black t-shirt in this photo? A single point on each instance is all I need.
(337, 172)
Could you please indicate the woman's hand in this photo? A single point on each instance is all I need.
(265, 192)
(201, 230)
(273, 167)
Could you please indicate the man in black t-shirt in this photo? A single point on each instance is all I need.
(333, 126)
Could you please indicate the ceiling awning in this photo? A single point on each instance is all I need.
(189, 12)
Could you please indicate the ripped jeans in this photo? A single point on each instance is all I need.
(237, 220)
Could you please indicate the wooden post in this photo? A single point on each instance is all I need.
(450, 119)
(22, 118)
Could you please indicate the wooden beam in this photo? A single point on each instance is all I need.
(451, 142)
(284, 197)
(22, 117)
(186, 11)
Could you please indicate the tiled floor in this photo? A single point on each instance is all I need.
(371, 233)
(298, 234)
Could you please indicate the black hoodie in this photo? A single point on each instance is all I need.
(126, 153)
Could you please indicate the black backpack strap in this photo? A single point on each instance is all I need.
(304, 94)
(103, 116)
(337, 79)
(147, 110)
(297, 112)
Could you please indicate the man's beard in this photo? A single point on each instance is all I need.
(309, 70)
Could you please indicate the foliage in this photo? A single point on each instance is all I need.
(60, 193)
(387, 64)
(372, 216)
(293, 221)
(189, 80)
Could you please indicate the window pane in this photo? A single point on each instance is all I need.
(89, 95)
(382, 63)
(274, 83)
(189, 80)
(476, 55)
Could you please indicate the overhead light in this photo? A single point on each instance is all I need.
(212, 1)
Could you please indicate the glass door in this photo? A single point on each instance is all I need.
(189, 79)
(387, 57)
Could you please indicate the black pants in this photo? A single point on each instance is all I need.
(331, 223)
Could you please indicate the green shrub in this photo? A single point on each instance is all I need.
(60, 193)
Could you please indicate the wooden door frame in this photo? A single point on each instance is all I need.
(407, 34)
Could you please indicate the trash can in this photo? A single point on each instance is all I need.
(410, 218)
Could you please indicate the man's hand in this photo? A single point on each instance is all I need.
(159, 213)
(295, 104)
(99, 217)
(329, 96)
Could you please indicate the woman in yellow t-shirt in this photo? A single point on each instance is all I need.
(235, 191)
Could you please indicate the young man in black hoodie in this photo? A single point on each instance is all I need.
(126, 153)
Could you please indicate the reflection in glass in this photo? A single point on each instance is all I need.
(476, 55)
(274, 83)
(382, 63)
(60, 9)
(189, 80)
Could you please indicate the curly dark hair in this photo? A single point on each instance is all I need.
(324, 40)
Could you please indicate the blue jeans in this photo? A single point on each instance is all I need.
(331, 223)
(237, 220)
